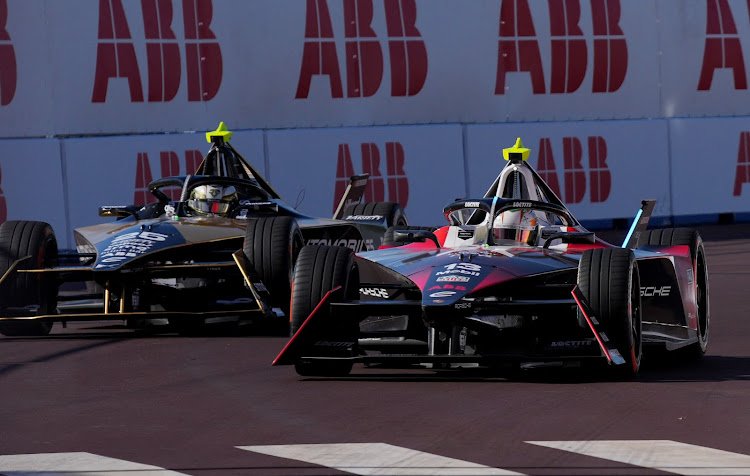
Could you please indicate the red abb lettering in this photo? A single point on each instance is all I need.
(319, 53)
(723, 48)
(375, 190)
(162, 51)
(518, 47)
(398, 183)
(344, 170)
(575, 177)
(514, 54)
(142, 179)
(193, 159)
(170, 166)
(395, 177)
(568, 55)
(8, 65)
(115, 58)
(364, 58)
(599, 175)
(546, 165)
(742, 175)
(610, 48)
(205, 66)
(364, 54)
(407, 50)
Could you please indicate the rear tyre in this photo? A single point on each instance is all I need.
(271, 246)
(321, 269)
(688, 237)
(388, 235)
(391, 211)
(19, 239)
(608, 279)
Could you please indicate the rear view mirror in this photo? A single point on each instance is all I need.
(412, 236)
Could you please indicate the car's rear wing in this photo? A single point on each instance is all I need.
(352, 195)
(640, 222)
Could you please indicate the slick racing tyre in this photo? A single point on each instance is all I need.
(19, 239)
(609, 281)
(321, 269)
(392, 211)
(271, 246)
(388, 235)
(689, 237)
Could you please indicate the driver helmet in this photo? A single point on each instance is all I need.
(212, 200)
(519, 225)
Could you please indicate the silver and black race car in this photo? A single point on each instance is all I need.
(224, 250)
(513, 282)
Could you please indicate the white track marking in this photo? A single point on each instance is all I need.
(377, 459)
(664, 455)
(75, 464)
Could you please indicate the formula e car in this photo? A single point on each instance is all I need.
(513, 282)
(224, 249)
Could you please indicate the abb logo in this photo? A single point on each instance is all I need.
(600, 178)
(398, 183)
(8, 64)
(115, 53)
(518, 48)
(723, 48)
(363, 51)
(170, 166)
(742, 175)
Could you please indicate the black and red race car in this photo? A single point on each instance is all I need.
(223, 251)
(513, 282)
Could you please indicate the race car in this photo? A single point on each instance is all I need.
(224, 249)
(513, 282)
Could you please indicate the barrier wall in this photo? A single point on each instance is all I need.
(696, 169)
(83, 67)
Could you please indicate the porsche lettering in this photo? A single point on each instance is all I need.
(652, 291)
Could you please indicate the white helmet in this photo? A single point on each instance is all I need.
(212, 199)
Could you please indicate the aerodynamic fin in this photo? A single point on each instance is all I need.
(353, 194)
(640, 222)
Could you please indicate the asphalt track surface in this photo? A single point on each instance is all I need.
(99, 396)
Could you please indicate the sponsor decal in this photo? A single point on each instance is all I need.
(374, 292)
(354, 245)
(571, 344)
(394, 177)
(364, 217)
(462, 305)
(442, 294)
(600, 178)
(128, 246)
(472, 204)
(116, 56)
(652, 291)
(254, 204)
(453, 279)
(522, 204)
(469, 269)
(465, 234)
(519, 50)
(448, 286)
(690, 276)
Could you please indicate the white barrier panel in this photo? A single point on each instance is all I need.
(114, 66)
(31, 186)
(600, 170)
(705, 54)
(117, 170)
(420, 167)
(710, 166)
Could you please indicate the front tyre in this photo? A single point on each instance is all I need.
(19, 239)
(609, 281)
(319, 270)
